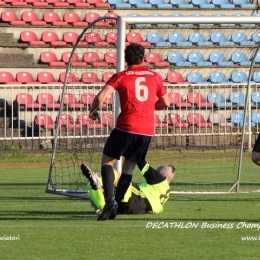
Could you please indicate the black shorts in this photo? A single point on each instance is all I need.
(256, 147)
(132, 146)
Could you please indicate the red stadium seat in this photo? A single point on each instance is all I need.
(71, 78)
(2, 3)
(106, 76)
(107, 120)
(95, 39)
(177, 100)
(156, 59)
(58, 3)
(84, 120)
(174, 119)
(51, 59)
(90, 77)
(11, 18)
(16, 3)
(67, 121)
(111, 38)
(79, 3)
(94, 59)
(32, 18)
(87, 99)
(75, 61)
(46, 78)
(99, 3)
(52, 38)
(71, 101)
(91, 16)
(72, 37)
(110, 57)
(198, 120)
(73, 18)
(47, 100)
(135, 37)
(158, 122)
(53, 18)
(112, 22)
(219, 119)
(26, 100)
(7, 78)
(31, 38)
(25, 78)
(198, 100)
(175, 77)
(44, 121)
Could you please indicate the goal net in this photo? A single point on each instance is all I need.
(209, 67)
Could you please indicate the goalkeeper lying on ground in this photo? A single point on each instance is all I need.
(148, 196)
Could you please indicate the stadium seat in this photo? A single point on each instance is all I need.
(67, 121)
(195, 78)
(47, 100)
(139, 4)
(177, 100)
(138, 25)
(255, 37)
(177, 59)
(108, 103)
(111, 38)
(241, 39)
(79, 3)
(239, 77)
(119, 4)
(160, 4)
(87, 99)
(106, 76)
(25, 78)
(156, 59)
(178, 39)
(156, 14)
(220, 39)
(244, 4)
(71, 38)
(186, 25)
(73, 19)
(37, 3)
(174, 119)
(256, 76)
(255, 118)
(244, 24)
(52, 38)
(94, 38)
(196, 119)
(31, 38)
(7, 78)
(44, 121)
(240, 58)
(11, 18)
(93, 59)
(175, 77)
(198, 100)
(84, 120)
(2, 3)
(46, 77)
(202, 4)
(202, 25)
(71, 101)
(75, 61)
(99, 3)
(219, 119)
(218, 58)
(107, 120)
(223, 4)
(136, 37)
(218, 100)
(89, 77)
(255, 97)
(92, 16)
(58, 3)
(198, 59)
(158, 122)
(223, 24)
(237, 98)
(111, 22)
(198, 39)
(218, 77)
(51, 59)
(110, 57)
(26, 100)
(32, 18)
(257, 57)
(53, 18)
(182, 4)
(71, 78)
(156, 39)
(237, 118)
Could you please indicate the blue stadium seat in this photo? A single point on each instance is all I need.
(237, 119)
(237, 98)
(255, 97)
(218, 77)
(225, 4)
(257, 58)
(241, 39)
(256, 76)
(202, 4)
(198, 39)
(244, 4)
(239, 77)
(139, 25)
(182, 4)
(218, 100)
(218, 58)
(160, 4)
(195, 78)
(157, 39)
(255, 37)
(223, 24)
(185, 25)
(177, 59)
(178, 39)
(255, 118)
(220, 39)
(202, 25)
(160, 24)
(243, 24)
(198, 59)
(119, 3)
(139, 4)
(239, 57)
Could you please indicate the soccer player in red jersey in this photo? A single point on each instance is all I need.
(141, 92)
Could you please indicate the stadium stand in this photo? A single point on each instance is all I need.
(72, 18)
(218, 100)
(107, 120)
(31, 18)
(160, 4)
(175, 77)
(219, 119)
(176, 38)
(44, 121)
(67, 121)
(198, 59)
(174, 119)
(177, 59)
(198, 39)
(31, 38)
(182, 4)
(202, 4)
(158, 123)
(136, 37)
(177, 100)
(71, 101)
(89, 77)
(51, 59)
(198, 100)
(46, 77)
(223, 4)
(218, 77)
(218, 58)
(239, 57)
(196, 119)
(84, 120)
(195, 78)
(202, 25)
(255, 98)
(11, 18)
(156, 39)
(7, 78)
(239, 77)
(220, 39)
(156, 59)
(26, 100)
(47, 101)
(25, 78)
(139, 4)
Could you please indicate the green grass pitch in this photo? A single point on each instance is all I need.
(37, 225)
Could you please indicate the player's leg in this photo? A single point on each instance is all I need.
(256, 151)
